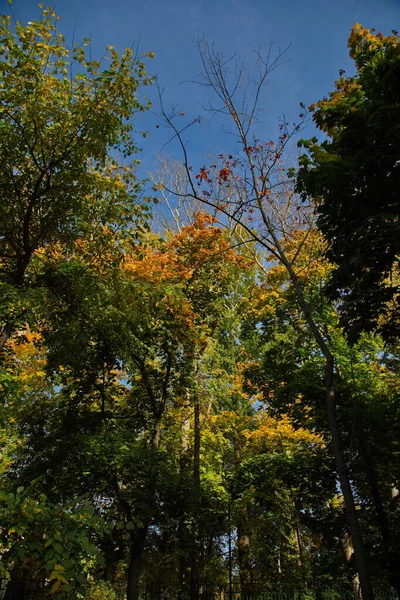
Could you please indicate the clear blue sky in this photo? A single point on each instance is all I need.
(316, 30)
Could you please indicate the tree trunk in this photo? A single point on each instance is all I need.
(230, 551)
(15, 590)
(184, 462)
(244, 553)
(138, 540)
(377, 498)
(194, 559)
(138, 537)
(5, 334)
(300, 552)
(348, 551)
(351, 514)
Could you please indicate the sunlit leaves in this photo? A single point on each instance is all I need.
(67, 175)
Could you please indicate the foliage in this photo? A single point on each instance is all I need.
(354, 177)
(55, 541)
(101, 591)
(161, 416)
(64, 120)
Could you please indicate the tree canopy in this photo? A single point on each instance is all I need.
(354, 177)
(181, 412)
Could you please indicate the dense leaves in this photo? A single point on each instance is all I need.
(63, 117)
(354, 177)
(161, 422)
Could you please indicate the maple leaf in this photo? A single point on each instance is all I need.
(203, 174)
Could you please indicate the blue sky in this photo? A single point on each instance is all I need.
(317, 31)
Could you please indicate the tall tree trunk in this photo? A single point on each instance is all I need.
(243, 533)
(138, 540)
(184, 461)
(194, 559)
(348, 551)
(139, 535)
(351, 514)
(244, 553)
(300, 550)
(230, 550)
(376, 496)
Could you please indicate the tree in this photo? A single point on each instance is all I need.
(354, 177)
(251, 190)
(41, 535)
(287, 372)
(64, 119)
(161, 394)
(122, 347)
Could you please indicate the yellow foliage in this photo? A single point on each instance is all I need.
(305, 252)
(279, 432)
(25, 358)
(262, 432)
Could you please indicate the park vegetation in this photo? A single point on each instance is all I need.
(199, 372)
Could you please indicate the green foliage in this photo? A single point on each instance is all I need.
(354, 178)
(161, 398)
(64, 118)
(52, 540)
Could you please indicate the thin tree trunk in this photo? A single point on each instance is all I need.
(351, 514)
(184, 462)
(230, 550)
(300, 550)
(244, 553)
(155, 444)
(243, 534)
(139, 536)
(376, 497)
(194, 561)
